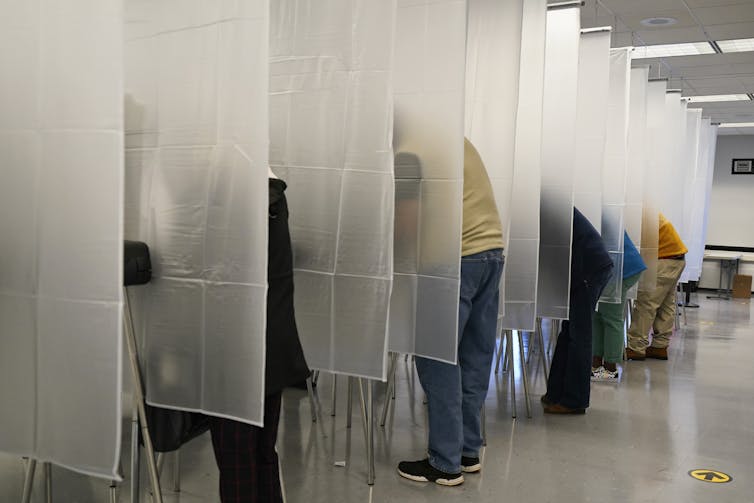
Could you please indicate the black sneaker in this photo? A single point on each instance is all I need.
(422, 471)
(470, 465)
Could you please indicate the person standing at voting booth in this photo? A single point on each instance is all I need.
(245, 454)
(591, 267)
(656, 309)
(609, 320)
(455, 393)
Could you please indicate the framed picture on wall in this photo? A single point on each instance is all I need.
(743, 167)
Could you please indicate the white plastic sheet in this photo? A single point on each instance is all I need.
(493, 44)
(694, 187)
(708, 148)
(61, 259)
(522, 252)
(614, 168)
(430, 38)
(591, 123)
(637, 160)
(558, 154)
(331, 118)
(672, 174)
(656, 156)
(196, 138)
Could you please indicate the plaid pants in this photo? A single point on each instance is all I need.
(246, 457)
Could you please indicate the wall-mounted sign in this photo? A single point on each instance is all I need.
(742, 167)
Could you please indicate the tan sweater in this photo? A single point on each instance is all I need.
(481, 223)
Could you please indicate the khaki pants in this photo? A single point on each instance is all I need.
(656, 309)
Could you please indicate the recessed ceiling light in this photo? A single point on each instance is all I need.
(737, 124)
(667, 50)
(718, 97)
(658, 21)
(737, 45)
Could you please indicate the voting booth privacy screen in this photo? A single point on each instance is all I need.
(61, 211)
(331, 115)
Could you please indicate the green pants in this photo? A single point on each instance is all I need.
(607, 326)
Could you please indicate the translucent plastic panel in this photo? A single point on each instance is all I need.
(707, 150)
(672, 174)
(615, 167)
(558, 157)
(196, 157)
(428, 141)
(694, 187)
(330, 129)
(492, 79)
(591, 124)
(656, 156)
(492, 82)
(522, 252)
(637, 160)
(61, 166)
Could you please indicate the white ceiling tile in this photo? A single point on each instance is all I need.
(671, 35)
(738, 13)
(714, 3)
(730, 31)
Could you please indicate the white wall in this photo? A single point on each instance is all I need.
(732, 200)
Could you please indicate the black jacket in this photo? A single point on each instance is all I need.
(589, 257)
(285, 359)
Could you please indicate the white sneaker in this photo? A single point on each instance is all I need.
(605, 375)
(597, 372)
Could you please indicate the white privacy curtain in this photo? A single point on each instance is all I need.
(522, 252)
(694, 187)
(493, 44)
(708, 156)
(615, 167)
(637, 160)
(591, 123)
(672, 173)
(656, 162)
(430, 38)
(196, 155)
(558, 154)
(330, 131)
(61, 259)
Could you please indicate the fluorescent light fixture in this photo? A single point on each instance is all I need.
(737, 124)
(717, 97)
(667, 50)
(737, 45)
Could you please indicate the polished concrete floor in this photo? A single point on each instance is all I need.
(637, 442)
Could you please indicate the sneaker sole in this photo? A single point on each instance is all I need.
(471, 468)
(605, 379)
(443, 482)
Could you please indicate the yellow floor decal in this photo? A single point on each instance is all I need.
(710, 476)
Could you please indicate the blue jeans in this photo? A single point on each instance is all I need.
(455, 393)
(571, 367)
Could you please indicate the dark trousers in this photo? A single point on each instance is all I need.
(569, 379)
(246, 457)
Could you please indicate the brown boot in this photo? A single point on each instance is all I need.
(634, 355)
(657, 353)
(556, 408)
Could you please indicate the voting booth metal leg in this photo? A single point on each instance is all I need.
(47, 470)
(390, 390)
(524, 375)
(367, 422)
(511, 369)
(177, 471)
(139, 399)
(31, 467)
(349, 402)
(135, 454)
